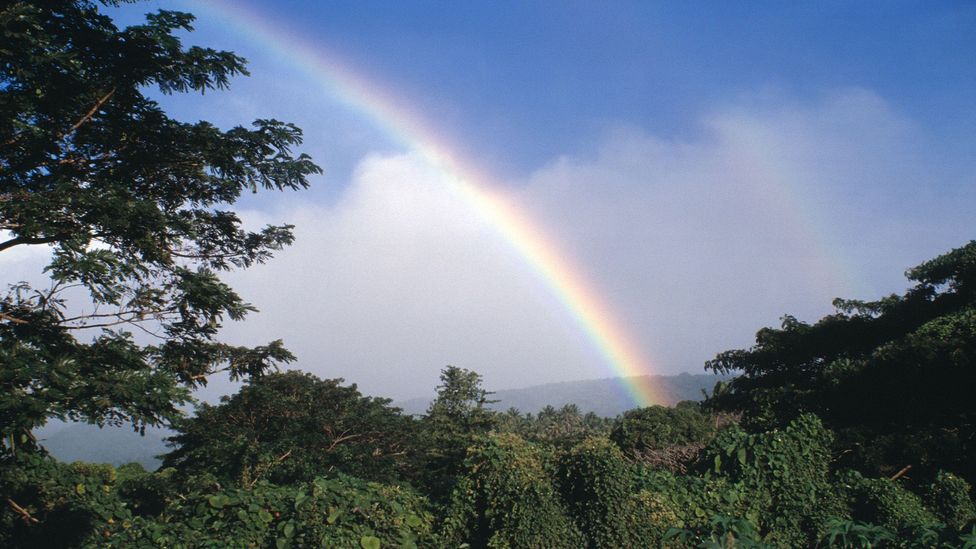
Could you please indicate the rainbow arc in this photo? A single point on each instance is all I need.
(512, 223)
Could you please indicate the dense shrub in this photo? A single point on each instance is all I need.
(885, 503)
(51, 504)
(292, 427)
(720, 532)
(559, 427)
(596, 484)
(657, 427)
(335, 512)
(949, 498)
(690, 501)
(782, 475)
(506, 498)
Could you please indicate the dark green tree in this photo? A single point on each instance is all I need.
(506, 498)
(134, 208)
(292, 427)
(456, 419)
(892, 377)
(658, 427)
(563, 427)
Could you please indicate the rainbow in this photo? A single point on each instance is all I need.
(513, 224)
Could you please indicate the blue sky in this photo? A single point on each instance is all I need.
(529, 80)
(709, 166)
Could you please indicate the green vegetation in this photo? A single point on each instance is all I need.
(855, 431)
(291, 427)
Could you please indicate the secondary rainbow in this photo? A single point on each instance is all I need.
(566, 282)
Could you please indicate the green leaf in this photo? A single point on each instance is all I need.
(333, 516)
(369, 542)
(741, 454)
(300, 498)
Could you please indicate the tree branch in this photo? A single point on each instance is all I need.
(902, 472)
(21, 511)
(4, 316)
(91, 113)
(25, 240)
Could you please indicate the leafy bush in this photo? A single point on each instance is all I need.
(883, 502)
(721, 532)
(292, 427)
(948, 497)
(336, 512)
(852, 534)
(596, 484)
(506, 498)
(657, 427)
(561, 427)
(781, 475)
(51, 504)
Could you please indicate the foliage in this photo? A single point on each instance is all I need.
(133, 207)
(848, 533)
(854, 534)
(658, 427)
(784, 476)
(55, 504)
(885, 503)
(506, 498)
(292, 427)
(84, 505)
(562, 427)
(949, 498)
(457, 418)
(145, 493)
(596, 484)
(721, 532)
(892, 376)
(337, 512)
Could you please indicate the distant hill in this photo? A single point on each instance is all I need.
(604, 397)
(116, 445)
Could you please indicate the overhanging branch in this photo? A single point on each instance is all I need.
(27, 240)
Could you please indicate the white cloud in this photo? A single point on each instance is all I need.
(695, 244)
(776, 207)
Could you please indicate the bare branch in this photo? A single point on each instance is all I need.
(22, 512)
(901, 473)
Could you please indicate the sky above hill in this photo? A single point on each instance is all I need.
(704, 168)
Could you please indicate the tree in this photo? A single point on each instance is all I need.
(893, 377)
(454, 421)
(134, 209)
(292, 427)
(563, 427)
(659, 427)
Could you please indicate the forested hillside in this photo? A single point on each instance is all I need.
(855, 431)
